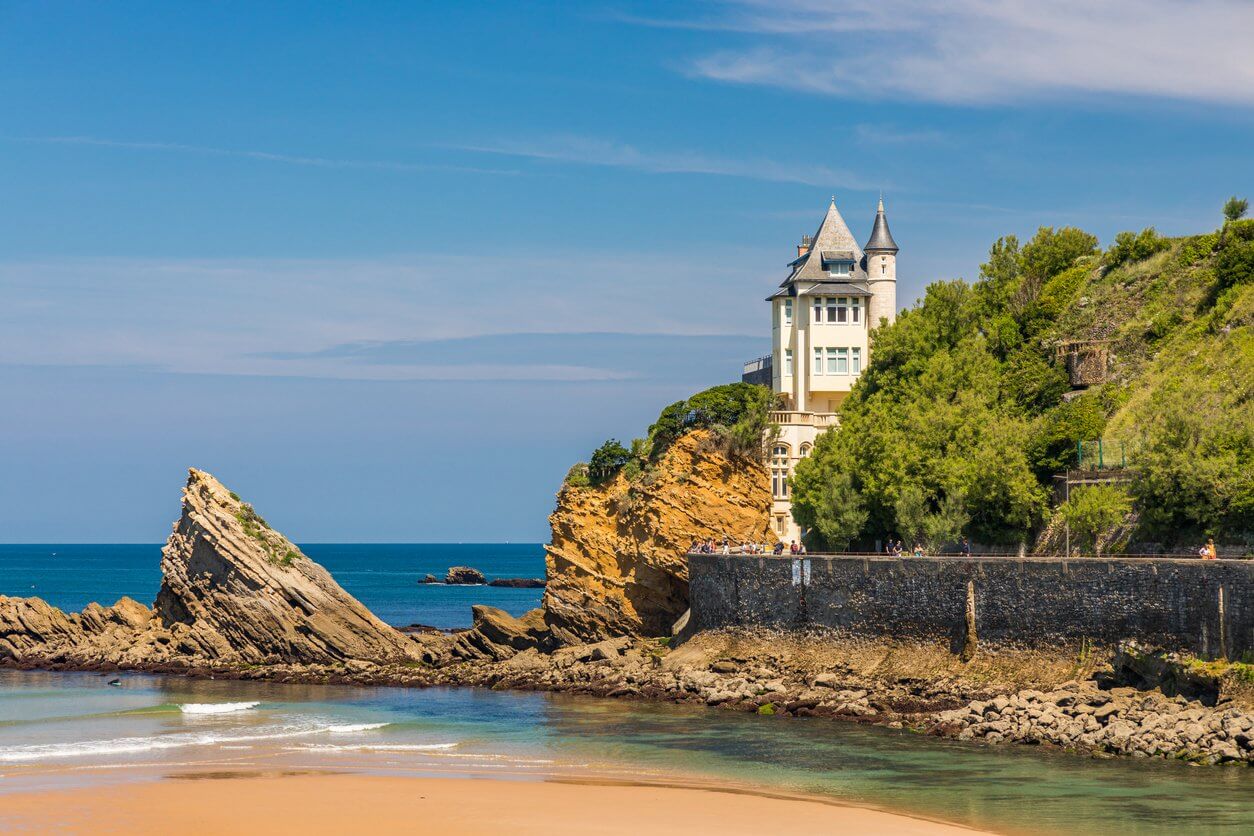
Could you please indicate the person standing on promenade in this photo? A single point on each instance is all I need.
(1209, 552)
(966, 547)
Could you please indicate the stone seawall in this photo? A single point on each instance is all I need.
(1201, 607)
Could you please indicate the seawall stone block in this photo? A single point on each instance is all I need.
(1202, 607)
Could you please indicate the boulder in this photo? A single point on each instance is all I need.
(464, 576)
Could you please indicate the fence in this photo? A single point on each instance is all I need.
(1103, 454)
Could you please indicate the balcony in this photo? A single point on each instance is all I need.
(821, 420)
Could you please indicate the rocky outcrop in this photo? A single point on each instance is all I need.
(233, 592)
(234, 589)
(616, 562)
(32, 631)
(465, 576)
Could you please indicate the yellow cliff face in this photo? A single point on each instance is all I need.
(616, 562)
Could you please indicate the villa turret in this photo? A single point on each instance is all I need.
(821, 317)
(881, 268)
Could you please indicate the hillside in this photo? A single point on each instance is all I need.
(968, 409)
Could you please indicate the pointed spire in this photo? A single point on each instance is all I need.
(881, 239)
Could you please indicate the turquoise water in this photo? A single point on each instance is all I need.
(383, 577)
(58, 728)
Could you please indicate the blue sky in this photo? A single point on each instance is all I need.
(389, 269)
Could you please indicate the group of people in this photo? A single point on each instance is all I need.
(893, 547)
(726, 547)
(1208, 551)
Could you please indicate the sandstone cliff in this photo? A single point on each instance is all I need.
(233, 592)
(616, 562)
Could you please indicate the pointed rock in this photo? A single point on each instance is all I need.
(234, 589)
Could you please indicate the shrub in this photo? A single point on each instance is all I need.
(1135, 246)
(577, 476)
(1094, 510)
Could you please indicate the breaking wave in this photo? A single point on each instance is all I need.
(216, 707)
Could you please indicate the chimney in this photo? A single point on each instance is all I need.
(804, 246)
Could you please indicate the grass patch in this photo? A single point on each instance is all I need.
(277, 550)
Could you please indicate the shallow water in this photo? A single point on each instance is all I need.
(58, 729)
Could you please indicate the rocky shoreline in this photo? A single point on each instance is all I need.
(238, 600)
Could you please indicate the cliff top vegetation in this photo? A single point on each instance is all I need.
(736, 414)
(967, 410)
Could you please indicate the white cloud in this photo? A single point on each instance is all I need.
(264, 156)
(985, 51)
(589, 151)
(278, 316)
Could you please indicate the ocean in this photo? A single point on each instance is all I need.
(385, 577)
(63, 729)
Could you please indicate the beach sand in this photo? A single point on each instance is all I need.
(203, 803)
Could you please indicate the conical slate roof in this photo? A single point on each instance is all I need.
(881, 239)
(832, 238)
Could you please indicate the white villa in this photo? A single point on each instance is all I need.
(820, 318)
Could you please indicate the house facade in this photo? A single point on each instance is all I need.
(821, 318)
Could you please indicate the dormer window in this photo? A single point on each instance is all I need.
(840, 269)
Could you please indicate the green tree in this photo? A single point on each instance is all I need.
(1095, 510)
(1053, 250)
(840, 515)
(1235, 208)
(607, 460)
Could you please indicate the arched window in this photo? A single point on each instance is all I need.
(779, 471)
(805, 450)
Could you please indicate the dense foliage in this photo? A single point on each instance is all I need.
(959, 423)
(1093, 510)
(736, 414)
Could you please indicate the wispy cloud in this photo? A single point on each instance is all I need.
(265, 156)
(982, 51)
(399, 318)
(598, 152)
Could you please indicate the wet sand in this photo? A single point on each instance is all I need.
(226, 802)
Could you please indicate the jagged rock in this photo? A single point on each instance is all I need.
(233, 592)
(616, 562)
(243, 591)
(518, 583)
(429, 578)
(464, 576)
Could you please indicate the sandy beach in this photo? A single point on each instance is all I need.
(213, 803)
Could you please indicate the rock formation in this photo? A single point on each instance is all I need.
(233, 592)
(616, 564)
(235, 589)
(465, 576)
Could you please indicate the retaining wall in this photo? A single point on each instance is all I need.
(1202, 607)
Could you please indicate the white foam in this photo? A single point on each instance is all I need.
(137, 745)
(216, 707)
(378, 747)
(352, 728)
